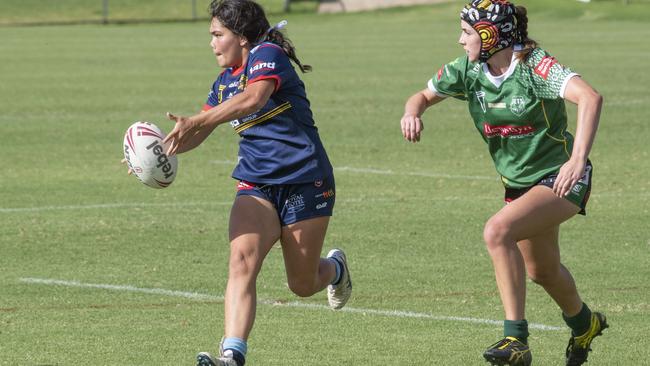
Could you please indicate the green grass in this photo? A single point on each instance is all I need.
(414, 241)
(66, 11)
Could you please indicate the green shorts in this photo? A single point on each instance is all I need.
(579, 194)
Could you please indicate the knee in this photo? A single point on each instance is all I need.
(242, 264)
(496, 233)
(301, 287)
(543, 276)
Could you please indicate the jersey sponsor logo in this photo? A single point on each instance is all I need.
(295, 203)
(327, 194)
(261, 66)
(480, 95)
(233, 84)
(321, 205)
(237, 122)
(507, 130)
(544, 67)
(518, 105)
(248, 118)
(244, 123)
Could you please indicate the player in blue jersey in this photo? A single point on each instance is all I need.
(285, 187)
(515, 93)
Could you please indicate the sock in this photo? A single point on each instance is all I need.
(517, 329)
(337, 277)
(580, 322)
(238, 347)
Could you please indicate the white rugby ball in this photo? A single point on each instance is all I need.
(146, 155)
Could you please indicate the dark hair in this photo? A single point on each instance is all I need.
(246, 18)
(522, 33)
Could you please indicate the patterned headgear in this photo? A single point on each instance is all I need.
(495, 22)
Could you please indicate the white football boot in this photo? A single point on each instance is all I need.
(206, 359)
(338, 295)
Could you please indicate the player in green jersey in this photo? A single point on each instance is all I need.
(516, 92)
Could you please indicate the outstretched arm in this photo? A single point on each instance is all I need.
(190, 132)
(412, 125)
(589, 104)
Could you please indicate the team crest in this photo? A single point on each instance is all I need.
(518, 105)
(243, 80)
(220, 95)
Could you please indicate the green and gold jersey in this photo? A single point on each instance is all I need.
(521, 114)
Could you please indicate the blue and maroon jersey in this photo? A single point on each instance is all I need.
(280, 142)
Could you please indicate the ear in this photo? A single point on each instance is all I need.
(243, 41)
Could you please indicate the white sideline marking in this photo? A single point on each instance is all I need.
(294, 304)
(389, 172)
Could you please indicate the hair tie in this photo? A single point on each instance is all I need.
(278, 26)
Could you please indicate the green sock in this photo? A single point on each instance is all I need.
(517, 329)
(580, 322)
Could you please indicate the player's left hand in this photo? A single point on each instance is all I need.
(568, 176)
(184, 129)
(129, 172)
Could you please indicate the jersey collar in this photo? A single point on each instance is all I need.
(498, 80)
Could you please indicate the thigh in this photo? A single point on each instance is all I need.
(541, 252)
(534, 213)
(254, 227)
(302, 243)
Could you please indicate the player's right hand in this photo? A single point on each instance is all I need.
(412, 127)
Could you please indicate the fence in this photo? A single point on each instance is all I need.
(33, 12)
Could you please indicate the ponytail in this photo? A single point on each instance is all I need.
(522, 33)
(276, 37)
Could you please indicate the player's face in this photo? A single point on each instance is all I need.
(226, 45)
(470, 40)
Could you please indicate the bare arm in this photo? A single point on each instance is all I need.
(411, 123)
(190, 132)
(589, 104)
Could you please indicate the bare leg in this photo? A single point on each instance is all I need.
(542, 256)
(532, 214)
(302, 242)
(254, 228)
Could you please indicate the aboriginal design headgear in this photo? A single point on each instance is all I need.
(495, 22)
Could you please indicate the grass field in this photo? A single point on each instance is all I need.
(409, 216)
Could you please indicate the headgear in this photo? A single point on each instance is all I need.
(495, 22)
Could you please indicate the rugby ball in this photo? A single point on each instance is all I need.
(146, 155)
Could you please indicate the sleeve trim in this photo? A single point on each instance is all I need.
(565, 82)
(276, 78)
(433, 89)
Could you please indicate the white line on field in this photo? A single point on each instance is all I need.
(389, 172)
(294, 304)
